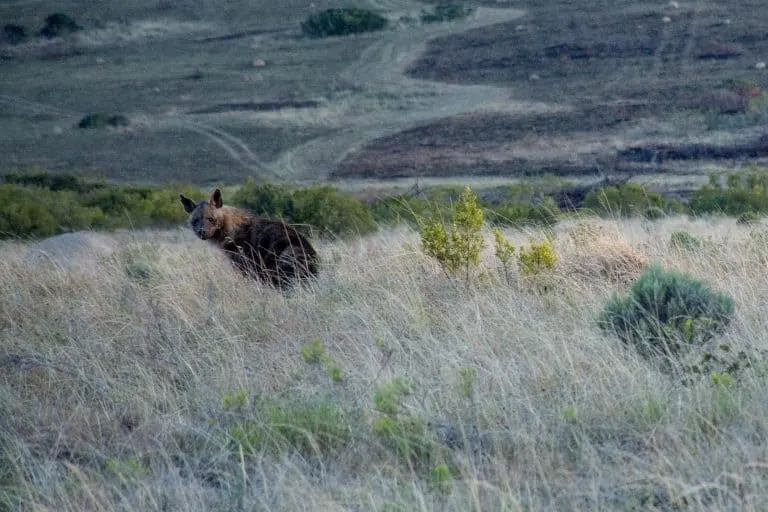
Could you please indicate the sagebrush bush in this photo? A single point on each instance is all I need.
(342, 22)
(666, 311)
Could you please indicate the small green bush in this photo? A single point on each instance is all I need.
(264, 199)
(446, 11)
(681, 239)
(322, 208)
(342, 22)
(332, 212)
(39, 212)
(59, 24)
(629, 200)
(55, 182)
(102, 120)
(665, 311)
(458, 249)
(14, 34)
(537, 258)
(748, 218)
(745, 193)
(513, 213)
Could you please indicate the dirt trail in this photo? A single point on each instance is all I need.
(392, 102)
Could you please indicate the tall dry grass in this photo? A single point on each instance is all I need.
(114, 380)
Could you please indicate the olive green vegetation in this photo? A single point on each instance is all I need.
(40, 204)
(342, 22)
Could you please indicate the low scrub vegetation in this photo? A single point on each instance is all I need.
(342, 22)
(41, 204)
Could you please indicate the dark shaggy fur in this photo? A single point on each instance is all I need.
(262, 248)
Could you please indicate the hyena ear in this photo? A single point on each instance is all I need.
(215, 199)
(189, 204)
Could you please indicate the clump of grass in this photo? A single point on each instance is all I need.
(312, 426)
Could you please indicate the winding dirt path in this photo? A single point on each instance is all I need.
(391, 102)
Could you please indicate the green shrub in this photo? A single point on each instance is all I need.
(512, 213)
(102, 120)
(59, 24)
(264, 199)
(458, 249)
(681, 239)
(628, 200)
(446, 11)
(744, 193)
(55, 182)
(342, 21)
(748, 218)
(322, 208)
(665, 311)
(14, 34)
(39, 212)
(332, 212)
(537, 258)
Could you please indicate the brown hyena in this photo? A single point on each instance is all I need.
(259, 247)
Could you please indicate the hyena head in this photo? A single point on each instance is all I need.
(205, 217)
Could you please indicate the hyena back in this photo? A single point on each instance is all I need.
(262, 248)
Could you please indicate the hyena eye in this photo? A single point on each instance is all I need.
(210, 219)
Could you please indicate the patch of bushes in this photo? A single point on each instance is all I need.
(55, 182)
(446, 11)
(39, 205)
(324, 209)
(743, 194)
(102, 120)
(342, 22)
(629, 200)
(39, 212)
(666, 311)
(59, 24)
